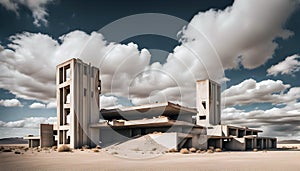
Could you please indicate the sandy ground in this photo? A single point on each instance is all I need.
(103, 160)
(288, 146)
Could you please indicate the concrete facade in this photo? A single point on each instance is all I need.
(208, 102)
(78, 89)
(46, 135)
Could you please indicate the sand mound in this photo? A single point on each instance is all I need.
(139, 148)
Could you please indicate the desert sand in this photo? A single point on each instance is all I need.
(48, 159)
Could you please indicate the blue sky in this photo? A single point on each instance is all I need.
(252, 45)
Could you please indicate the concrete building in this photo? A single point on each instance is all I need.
(46, 138)
(80, 122)
(78, 89)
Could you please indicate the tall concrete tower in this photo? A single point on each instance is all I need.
(78, 88)
(208, 103)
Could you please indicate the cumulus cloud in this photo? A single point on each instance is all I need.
(278, 122)
(242, 34)
(267, 91)
(51, 105)
(37, 8)
(109, 102)
(31, 122)
(213, 41)
(33, 67)
(37, 105)
(289, 66)
(11, 103)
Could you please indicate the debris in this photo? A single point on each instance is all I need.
(184, 151)
(210, 151)
(192, 150)
(64, 148)
(218, 150)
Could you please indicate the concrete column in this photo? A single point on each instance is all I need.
(221, 143)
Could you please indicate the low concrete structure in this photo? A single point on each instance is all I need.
(46, 138)
(33, 141)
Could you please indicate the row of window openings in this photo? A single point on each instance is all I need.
(66, 120)
(68, 96)
(64, 137)
(67, 72)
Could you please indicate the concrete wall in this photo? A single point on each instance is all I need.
(208, 103)
(78, 89)
(46, 135)
(215, 130)
(33, 143)
(235, 144)
(109, 136)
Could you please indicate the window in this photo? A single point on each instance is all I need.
(92, 94)
(202, 117)
(92, 72)
(85, 70)
(204, 104)
(68, 74)
(84, 91)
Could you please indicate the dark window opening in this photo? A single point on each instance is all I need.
(202, 117)
(92, 72)
(85, 70)
(84, 91)
(204, 104)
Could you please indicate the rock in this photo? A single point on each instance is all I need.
(210, 151)
(218, 150)
(64, 148)
(7, 150)
(173, 150)
(17, 152)
(184, 151)
(96, 150)
(192, 150)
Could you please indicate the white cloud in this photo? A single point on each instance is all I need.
(9, 5)
(37, 105)
(37, 8)
(222, 38)
(31, 122)
(278, 122)
(109, 102)
(214, 41)
(290, 65)
(11, 103)
(249, 91)
(33, 67)
(243, 33)
(51, 105)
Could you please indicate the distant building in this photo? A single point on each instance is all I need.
(79, 121)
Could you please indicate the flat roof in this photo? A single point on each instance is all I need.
(31, 137)
(243, 127)
(146, 111)
(160, 124)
